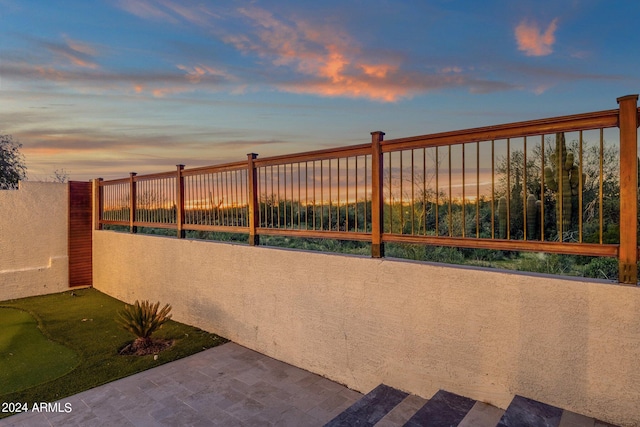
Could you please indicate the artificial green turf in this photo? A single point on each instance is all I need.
(27, 357)
(84, 321)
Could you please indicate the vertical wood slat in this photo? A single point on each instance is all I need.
(377, 247)
(524, 189)
(98, 203)
(252, 178)
(132, 202)
(180, 202)
(81, 224)
(628, 124)
(542, 188)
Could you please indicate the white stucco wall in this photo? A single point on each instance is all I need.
(484, 334)
(33, 240)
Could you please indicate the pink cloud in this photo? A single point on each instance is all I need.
(453, 69)
(146, 10)
(350, 88)
(533, 41)
(80, 47)
(74, 52)
(195, 74)
(329, 56)
(80, 54)
(50, 73)
(156, 84)
(306, 55)
(378, 70)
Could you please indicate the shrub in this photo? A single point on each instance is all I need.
(547, 263)
(602, 268)
(142, 319)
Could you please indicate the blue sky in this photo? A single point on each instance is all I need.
(103, 88)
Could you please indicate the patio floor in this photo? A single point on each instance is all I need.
(228, 385)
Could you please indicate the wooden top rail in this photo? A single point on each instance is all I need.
(114, 181)
(330, 153)
(318, 234)
(576, 122)
(186, 172)
(226, 167)
(586, 121)
(308, 156)
(151, 176)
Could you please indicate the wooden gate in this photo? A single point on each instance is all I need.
(80, 234)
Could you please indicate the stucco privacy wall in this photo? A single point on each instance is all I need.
(361, 321)
(33, 240)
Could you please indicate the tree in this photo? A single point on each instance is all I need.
(60, 175)
(12, 167)
(555, 147)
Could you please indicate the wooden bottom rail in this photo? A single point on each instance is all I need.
(154, 225)
(587, 249)
(315, 234)
(222, 228)
(570, 248)
(110, 222)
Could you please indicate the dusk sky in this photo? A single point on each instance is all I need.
(104, 88)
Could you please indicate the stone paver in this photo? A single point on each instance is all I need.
(228, 385)
(399, 415)
(482, 415)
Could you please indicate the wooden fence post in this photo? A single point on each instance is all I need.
(132, 203)
(180, 202)
(97, 203)
(377, 202)
(252, 178)
(628, 124)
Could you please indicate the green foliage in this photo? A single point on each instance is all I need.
(119, 228)
(322, 245)
(241, 238)
(450, 255)
(562, 178)
(12, 167)
(573, 156)
(533, 217)
(143, 318)
(444, 254)
(502, 217)
(547, 263)
(602, 268)
(321, 216)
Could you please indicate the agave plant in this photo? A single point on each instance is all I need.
(142, 319)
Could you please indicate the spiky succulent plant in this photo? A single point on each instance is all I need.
(142, 319)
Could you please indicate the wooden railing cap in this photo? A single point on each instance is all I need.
(624, 98)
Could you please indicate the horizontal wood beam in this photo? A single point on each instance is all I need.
(316, 234)
(222, 228)
(309, 156)
(227, 167)
(596, 120)
(588, 249)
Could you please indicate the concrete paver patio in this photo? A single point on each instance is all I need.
(228, 385)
